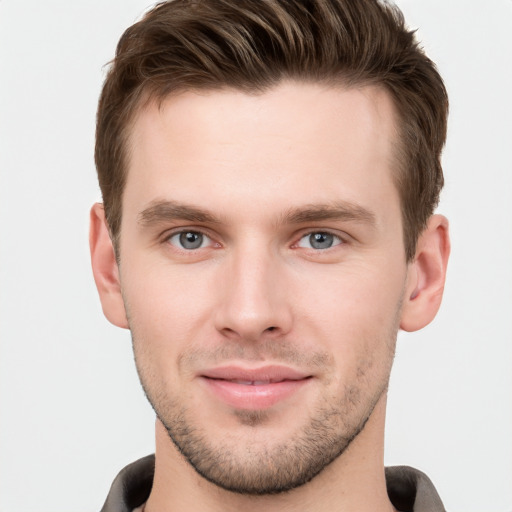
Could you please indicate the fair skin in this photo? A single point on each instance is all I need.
(263, 277)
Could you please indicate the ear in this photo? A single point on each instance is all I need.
(426, 276)
(105, 269)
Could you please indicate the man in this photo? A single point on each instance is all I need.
(269, 172)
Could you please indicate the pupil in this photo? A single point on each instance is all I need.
(191, 240)
(321, 240)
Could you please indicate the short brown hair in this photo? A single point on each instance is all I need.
(253, 45)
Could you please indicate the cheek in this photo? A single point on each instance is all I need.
(161, 295)
(356, 312)
(356, 290)
(170, 311)
(166, 313)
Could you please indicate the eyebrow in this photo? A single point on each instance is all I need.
(167, 210)
(343, 210)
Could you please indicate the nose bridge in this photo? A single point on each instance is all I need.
(253, 301)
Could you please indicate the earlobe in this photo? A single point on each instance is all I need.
(105, 268)
(426, 276)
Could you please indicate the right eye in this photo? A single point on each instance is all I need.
(189, 240)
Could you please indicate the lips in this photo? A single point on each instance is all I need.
(256, 388)
(254, 382)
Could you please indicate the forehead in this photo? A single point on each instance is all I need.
(295, 141)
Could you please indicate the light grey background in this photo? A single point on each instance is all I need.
(72, 412)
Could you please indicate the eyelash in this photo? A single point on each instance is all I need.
(341, 240)
(168, 236)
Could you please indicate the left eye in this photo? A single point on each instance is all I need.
(319, 240)
(189, 240)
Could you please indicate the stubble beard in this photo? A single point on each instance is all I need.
(263, 470)
(239, 465)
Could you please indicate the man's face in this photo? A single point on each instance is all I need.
(263, 271)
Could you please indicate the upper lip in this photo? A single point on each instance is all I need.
(269, 373)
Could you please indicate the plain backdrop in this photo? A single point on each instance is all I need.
(72, 412)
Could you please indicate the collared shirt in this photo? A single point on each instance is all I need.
(409, 490)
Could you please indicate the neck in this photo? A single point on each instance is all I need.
(354, 481)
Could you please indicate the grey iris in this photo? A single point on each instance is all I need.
(321, 240)
(191, 240)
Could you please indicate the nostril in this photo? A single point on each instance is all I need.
(270, 329)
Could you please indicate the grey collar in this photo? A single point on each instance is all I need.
(409, 490)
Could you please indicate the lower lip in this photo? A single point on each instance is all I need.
(242, 396)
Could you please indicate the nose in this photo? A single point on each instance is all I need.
(253, 303)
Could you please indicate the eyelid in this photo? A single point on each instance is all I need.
(342, 236)
(168, 234)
